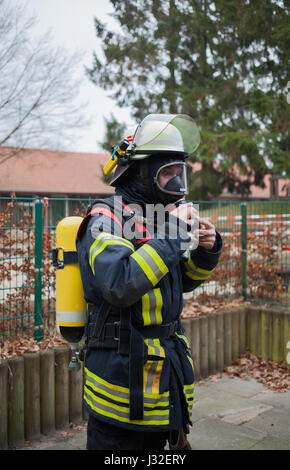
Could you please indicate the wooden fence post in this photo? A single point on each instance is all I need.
(31, 396)
(266, 333)
(212, 346)
(243, 330)
(47, 391)
(277, 337)
(16, 402)
(203, 346)
(75, 395)
(255, 330)
(220, 358)
(235, 333)
(228, 338)
(4, 404)
(61, 387)
(195, 346)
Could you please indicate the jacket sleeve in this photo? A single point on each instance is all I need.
(197, 265)
(120, 272)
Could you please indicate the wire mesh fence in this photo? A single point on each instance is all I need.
(254, 265)
(255, 262)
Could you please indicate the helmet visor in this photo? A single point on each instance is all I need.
(171, 178)
(165, 133)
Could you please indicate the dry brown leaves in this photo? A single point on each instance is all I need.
(195, 309)
(273, 375)
(21, 346)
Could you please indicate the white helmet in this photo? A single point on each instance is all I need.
(175, 134)
(163, 133)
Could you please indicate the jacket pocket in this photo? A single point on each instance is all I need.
(153, 365)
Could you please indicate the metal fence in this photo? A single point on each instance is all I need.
(255, 262)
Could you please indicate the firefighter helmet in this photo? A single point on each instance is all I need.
(175, 135)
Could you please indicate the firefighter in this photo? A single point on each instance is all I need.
(139, 383)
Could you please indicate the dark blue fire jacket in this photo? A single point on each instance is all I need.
(139, 371)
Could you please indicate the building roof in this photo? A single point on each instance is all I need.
(55, 172)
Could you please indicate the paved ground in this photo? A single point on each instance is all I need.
(230, 414)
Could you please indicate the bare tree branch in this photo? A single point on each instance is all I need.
(39, 87)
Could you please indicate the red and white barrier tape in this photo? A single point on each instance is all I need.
(267, 232)
(272, 222)
(250, 216)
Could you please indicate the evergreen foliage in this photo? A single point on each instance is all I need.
(223, 62)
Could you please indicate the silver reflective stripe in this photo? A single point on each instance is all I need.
(197, 274)
(156, 401)
(121, 413)
(189, 393)
(117, 394)
(103, 240)
(152, 307)
(71, 316)
(151, 262)
(150, 377)
(154, 347)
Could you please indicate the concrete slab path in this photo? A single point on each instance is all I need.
(229, 414)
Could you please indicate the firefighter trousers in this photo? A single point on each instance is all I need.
(104, 436)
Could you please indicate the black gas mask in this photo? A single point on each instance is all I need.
(171, 182)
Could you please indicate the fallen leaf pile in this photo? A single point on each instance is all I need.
(273, 375)
(208, 306)
(73, 428)
(21, 346)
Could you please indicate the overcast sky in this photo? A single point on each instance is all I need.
(71, 24)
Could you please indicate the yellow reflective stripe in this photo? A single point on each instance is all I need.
(146, 309)
(102, 241)
(100, 389)
(112, 387)
(190, 360)
(188, 387)
(106, 238)
(145, 268)
(122, 413)
(152, 307)
(188, 390)
(152, 374)
(196, 273)
(196, 268)
(196, 277)
(119, 393)
(154, 347)
(184, 338)
(189, 395)
(159, 261)
(159, 305)
(150, 262)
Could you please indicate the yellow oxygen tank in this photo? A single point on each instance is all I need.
(71, 309)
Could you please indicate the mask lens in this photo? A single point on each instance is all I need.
(171, 178)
